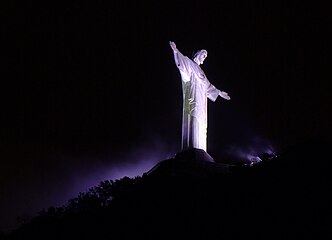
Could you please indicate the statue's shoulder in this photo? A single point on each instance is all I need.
(189, 63)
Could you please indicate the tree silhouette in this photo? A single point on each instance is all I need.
(287, 196)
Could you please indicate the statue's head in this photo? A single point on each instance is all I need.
(200, 56)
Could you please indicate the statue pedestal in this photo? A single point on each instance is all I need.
(191, 163)
(194, 154)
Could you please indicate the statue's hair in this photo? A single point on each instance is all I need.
(195, 54)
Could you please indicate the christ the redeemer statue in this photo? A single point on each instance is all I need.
(196, 89)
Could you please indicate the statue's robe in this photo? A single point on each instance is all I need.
(196, 89)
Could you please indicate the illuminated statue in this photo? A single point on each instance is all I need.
(196, 89)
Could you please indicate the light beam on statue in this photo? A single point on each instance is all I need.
(196, 89)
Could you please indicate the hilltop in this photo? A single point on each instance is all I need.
(285, 195)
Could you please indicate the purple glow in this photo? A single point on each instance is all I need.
(251, 151)
(133, 164)
(77, 174)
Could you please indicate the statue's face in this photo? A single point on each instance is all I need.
(200, 57)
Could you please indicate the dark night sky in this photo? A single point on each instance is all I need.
(90, 90)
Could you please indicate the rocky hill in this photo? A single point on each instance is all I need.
(284, 196)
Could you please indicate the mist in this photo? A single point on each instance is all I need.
(57, 177)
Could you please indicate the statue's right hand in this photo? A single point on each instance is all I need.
(173, 46)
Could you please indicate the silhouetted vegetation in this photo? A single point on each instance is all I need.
(287, 197)
(87, 204)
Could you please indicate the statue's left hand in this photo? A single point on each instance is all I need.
(224, 95)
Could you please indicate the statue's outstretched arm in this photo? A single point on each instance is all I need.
(176, 52)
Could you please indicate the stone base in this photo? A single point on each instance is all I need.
(191, 163)
(194, 154)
